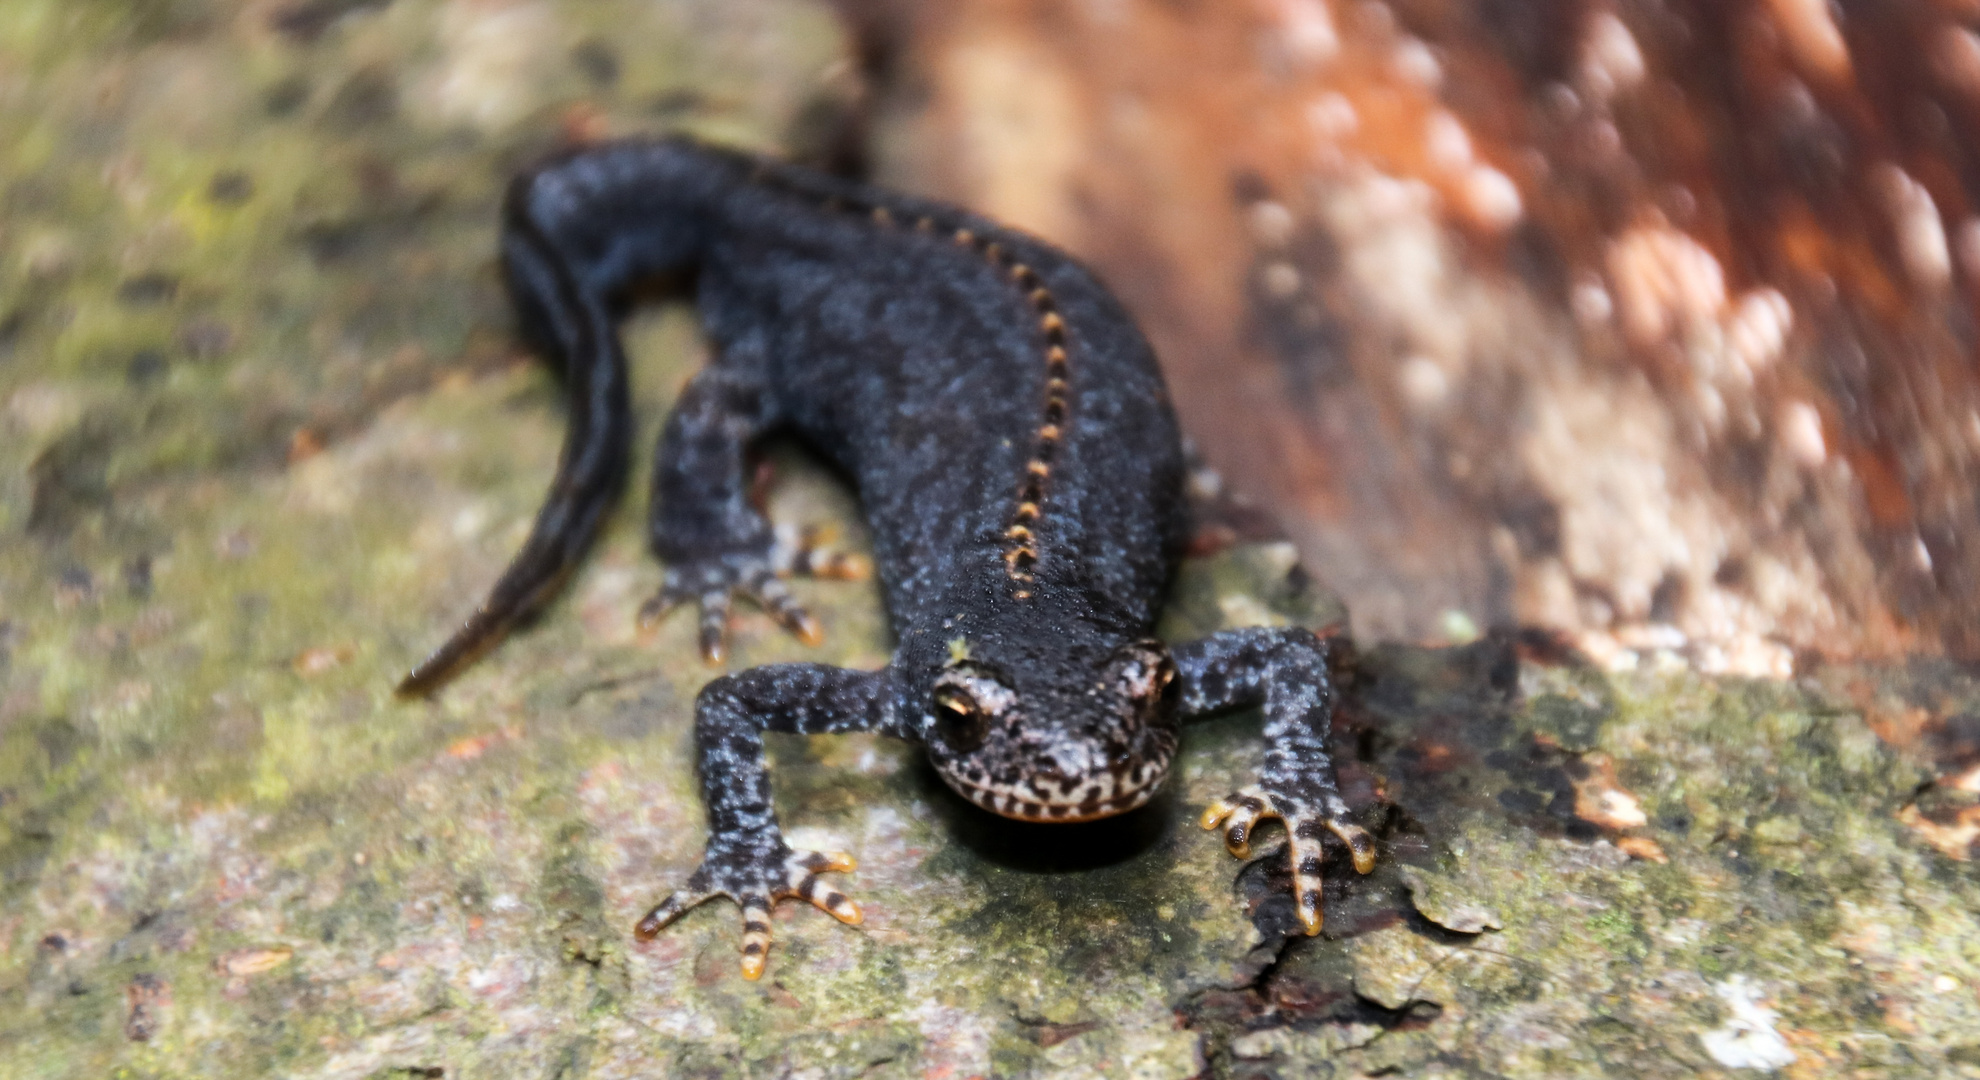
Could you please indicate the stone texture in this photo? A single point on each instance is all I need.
(266, 438)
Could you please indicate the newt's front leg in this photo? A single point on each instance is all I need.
(1285, 670)
(747, 859)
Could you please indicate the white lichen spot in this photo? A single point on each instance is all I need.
(1305, 29)
(1756, 331)
(1271, 223)
(1812, 36)
(1591, 302)
(1458, 628)
(1747, 1040)
(40, 409)
(1332, 116)
(1800, 434)
(47, 253)
(1281, 280)
(1446, 143)
(1655, 636)
(1492, 198)
(492, 61)
(1664, 282)
(469, 521)
(1240, 610)
(1423, 383)
(1205, 483)
(1965, 780)
(1921, 238)
(1610, 58)
(1277, 559)
(1398, 258)
(1415, 63)
(1290, 1044)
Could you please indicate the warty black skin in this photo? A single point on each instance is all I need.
(1015, 454)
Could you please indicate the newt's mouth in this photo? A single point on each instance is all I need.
(1061, 801)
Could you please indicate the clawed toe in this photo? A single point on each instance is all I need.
(756, 889)
(673, 593)
(713, 589)
(1360, 845)
(755, 936)
(812, 553)
(807, 886)
(712, 631)
(1239, 815)
(666, 911)
(774, 598)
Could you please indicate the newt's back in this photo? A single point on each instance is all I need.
(1002, 416)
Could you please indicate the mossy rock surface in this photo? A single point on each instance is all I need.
(266, 438)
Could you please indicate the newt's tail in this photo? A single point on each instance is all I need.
(575, 234)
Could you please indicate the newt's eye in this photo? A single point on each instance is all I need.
(959, 721)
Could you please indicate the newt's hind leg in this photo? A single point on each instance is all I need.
(716, 544)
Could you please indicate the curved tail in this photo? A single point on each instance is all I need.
(575, 233)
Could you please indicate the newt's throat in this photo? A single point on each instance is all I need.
(1101, 795)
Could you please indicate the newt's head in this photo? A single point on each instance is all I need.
(1059, 748)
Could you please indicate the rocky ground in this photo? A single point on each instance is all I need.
(267, 439)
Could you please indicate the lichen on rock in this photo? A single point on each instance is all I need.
(268, 437)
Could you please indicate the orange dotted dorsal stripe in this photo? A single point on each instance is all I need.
(1021, 538)
(1020, 551)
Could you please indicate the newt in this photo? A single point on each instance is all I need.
(1015, 453)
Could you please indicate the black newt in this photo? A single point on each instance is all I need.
(1016, 455)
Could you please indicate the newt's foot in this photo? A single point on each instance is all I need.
(756, 881)
(1304, 819)
(714, 582)
(813, 551)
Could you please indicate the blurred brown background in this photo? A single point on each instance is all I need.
(1650, 320)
